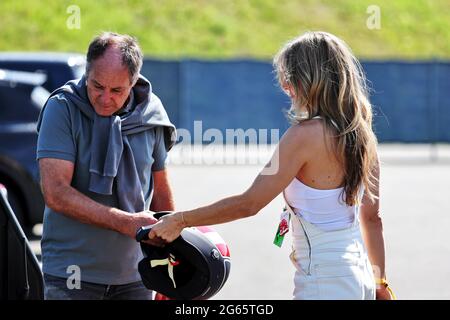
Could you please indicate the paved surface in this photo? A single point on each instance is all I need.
(415, 204)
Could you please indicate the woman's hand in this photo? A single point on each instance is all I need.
(383, 293)
(168, 227)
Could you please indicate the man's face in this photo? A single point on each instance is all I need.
(108, 84)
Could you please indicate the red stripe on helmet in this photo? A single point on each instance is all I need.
(205, 229)
(223, 248)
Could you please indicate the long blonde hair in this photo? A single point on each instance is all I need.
(328, 81)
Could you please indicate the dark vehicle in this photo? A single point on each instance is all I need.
(26, 80)
(20, 272)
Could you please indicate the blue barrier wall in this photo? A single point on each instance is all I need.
(410, 99)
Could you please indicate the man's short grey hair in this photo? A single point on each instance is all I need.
(131, 52)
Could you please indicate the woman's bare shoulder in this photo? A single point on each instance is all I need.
(309, 130)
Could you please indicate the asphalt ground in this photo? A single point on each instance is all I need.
(415, 206)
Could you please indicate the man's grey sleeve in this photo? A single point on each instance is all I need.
(159, 151)
(55, 138)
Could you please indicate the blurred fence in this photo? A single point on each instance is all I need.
(411, 99)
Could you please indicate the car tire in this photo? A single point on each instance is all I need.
(21, 195)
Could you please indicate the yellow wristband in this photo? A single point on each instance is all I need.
(383, 282)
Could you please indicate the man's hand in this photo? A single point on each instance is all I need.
(142, 219)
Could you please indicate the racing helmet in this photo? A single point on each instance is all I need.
(195, 266)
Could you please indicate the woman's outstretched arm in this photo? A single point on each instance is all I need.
(290, 155)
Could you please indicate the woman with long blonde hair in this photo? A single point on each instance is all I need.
(328, 172)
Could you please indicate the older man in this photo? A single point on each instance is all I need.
(103, 141)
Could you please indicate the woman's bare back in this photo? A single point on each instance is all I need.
(323, 170)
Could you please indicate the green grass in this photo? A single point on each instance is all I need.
(411, 29)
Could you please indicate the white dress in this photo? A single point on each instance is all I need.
(329, 255)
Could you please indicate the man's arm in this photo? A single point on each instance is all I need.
(59, 195)
(162, 193)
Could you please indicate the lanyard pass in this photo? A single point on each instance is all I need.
(283, 228)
